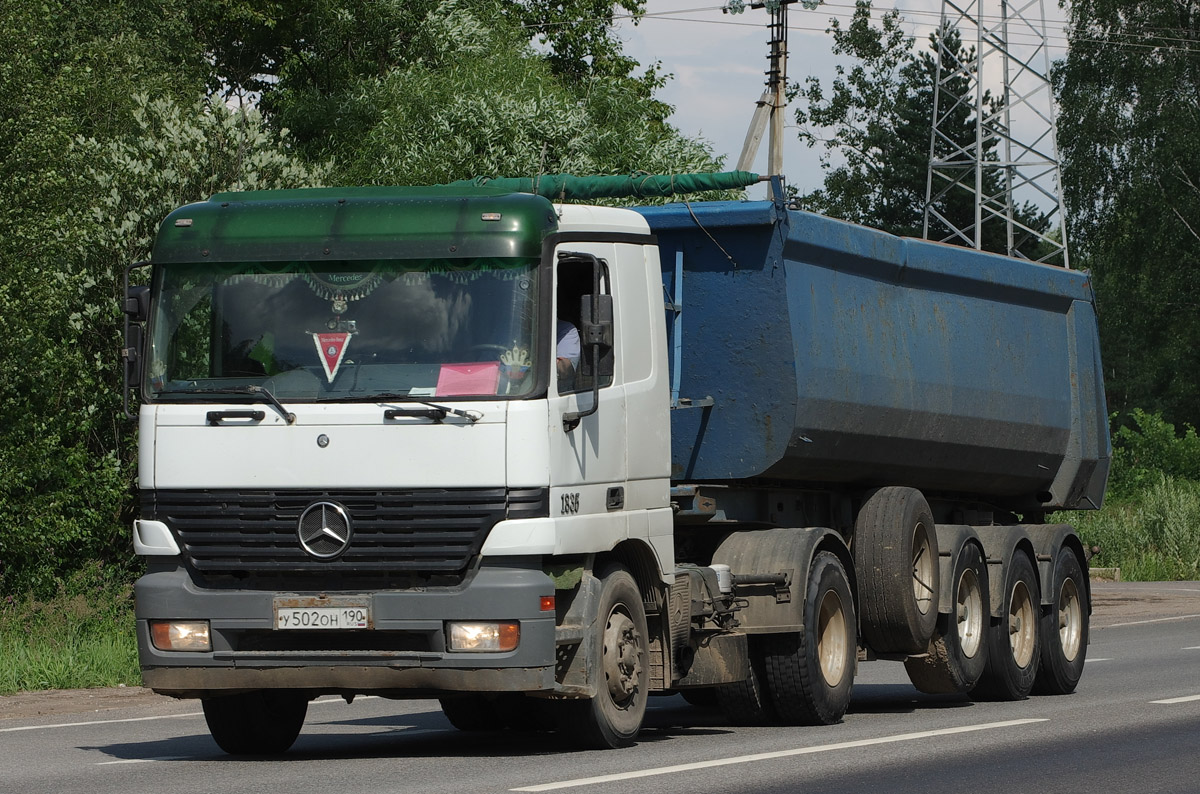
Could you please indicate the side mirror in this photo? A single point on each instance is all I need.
(596, 336)
(136, 309)
(137, 304)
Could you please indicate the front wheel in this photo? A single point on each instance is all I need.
(265, 722)
(1064, 629)
(810, 673)
(620, 649)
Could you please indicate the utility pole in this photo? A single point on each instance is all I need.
(770, 108)
(1015, 138)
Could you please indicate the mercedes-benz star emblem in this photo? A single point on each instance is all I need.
(324, 530)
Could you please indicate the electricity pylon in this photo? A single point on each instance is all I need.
(1012, 163)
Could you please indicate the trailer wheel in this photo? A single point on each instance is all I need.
(810, 673)
(1064, 629)
(1012, 641)
(621, 655)
(957, 652)
(746, 702)
(264, 722)
(896, 559)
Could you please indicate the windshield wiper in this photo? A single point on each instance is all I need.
(261, 392)
(431, 410)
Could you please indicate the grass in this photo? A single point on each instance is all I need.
(1153, 536)
(83, 636)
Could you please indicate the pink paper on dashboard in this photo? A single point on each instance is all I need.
(468, 379)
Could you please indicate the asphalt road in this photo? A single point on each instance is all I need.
(1133, 725)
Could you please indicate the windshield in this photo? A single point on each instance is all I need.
(345, 330)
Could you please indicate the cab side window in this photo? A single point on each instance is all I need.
(574, 282)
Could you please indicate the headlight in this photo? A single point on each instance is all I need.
(483, 637)
(180, 635)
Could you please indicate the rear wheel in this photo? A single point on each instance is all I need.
(614, 716)
(896, 558)
(265, 722)
(1064, 629)
(957, 652)
(1012, 641)
(746, 702)
(810, 673)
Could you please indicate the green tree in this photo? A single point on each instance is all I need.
(89, 167)
(372, 90)
(874, 125)
(483, 103)
(68, 69)
(1129, 137)
(422, 91)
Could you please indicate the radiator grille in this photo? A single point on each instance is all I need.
(400, 537)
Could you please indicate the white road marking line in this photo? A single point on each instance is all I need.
(1173, 701)
(1143, 622)
(100, 722)
(1093, 661)
(1193, 648)
(144, 760)
(747, 759)
(318, 702)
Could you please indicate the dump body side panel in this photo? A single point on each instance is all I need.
(841, 355)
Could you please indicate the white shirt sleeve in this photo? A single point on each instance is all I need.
(568, 343)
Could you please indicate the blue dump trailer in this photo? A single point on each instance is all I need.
(541, 461)
(843, 355)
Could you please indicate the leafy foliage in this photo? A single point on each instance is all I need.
(432, 92)
(66, 454)
(1129, 99)
(1150, 524)
(485, 104)
(1148, 449)
(371, 91)
(1154, 536)
(875, 123)
(82, 634)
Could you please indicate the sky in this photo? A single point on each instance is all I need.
(718, 62)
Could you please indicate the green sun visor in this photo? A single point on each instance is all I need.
(356, 223)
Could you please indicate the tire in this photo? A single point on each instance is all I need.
(896, 559)
(1012, 641)
(1064, 629)
(958, 649)
(472, 713)
(621, 656)
(746, 702)
(810, 673)
(264, 722)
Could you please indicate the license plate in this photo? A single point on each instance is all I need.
(312, 613)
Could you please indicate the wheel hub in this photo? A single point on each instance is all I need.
(622, 660)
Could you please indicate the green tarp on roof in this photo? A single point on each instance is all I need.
(564, 187)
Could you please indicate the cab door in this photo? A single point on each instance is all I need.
(588, 451)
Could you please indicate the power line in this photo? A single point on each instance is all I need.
(1066, 40)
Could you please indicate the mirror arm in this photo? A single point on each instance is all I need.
(571, 419)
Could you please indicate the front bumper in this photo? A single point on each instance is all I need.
(403, 654)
